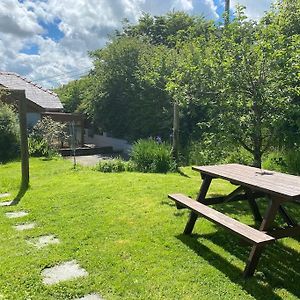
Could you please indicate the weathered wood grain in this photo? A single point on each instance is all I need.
(246, 232)
(270, 182)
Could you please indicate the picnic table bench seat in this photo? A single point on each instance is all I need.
(246, 232)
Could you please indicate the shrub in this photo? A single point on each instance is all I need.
(283, 161)
(206, 152)
(112, 165)
(39, 147)
(150, 156)
(46, 137)
(239, 156)
(9, 133)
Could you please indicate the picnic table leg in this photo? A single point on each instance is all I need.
(253, 206)
(257, 250)
(200, 198)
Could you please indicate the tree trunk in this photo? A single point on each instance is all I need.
(257, 158)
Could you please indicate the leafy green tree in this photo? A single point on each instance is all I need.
(169, 29)
(74, 93)
(282, 30)
(122, 101)
(243, 79)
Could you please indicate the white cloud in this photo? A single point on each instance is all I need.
(16, 20)
(85, 26)
(254, 9)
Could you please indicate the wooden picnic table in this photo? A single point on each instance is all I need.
(252, 183)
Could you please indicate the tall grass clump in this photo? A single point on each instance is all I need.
(149, 156)
(115, 165)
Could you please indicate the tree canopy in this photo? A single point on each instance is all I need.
(236, 85)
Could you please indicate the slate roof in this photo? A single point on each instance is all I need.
(44, 98)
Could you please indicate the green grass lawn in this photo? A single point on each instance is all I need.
(123, 230)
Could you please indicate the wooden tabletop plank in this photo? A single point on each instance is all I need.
(270, 182)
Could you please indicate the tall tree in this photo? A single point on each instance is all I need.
(248, 79)
(125, 101)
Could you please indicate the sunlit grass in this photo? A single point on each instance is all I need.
(124, 231)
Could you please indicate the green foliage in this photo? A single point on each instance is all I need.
(205, 152)
(47, 137)
(114, 166)
(170, 29)
(74, 93)
(152, 157)
(9, 133)
(237, 86)
(39, 147)
(239, 156)
(242, 76)
(120, 92)
(287, 161)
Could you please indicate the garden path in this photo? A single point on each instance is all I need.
(65, 271)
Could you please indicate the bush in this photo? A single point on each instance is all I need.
(287, 161)
(239, 156)
(113, 166)
(46, 137)
(206, 152)
(152, 157)
(9, 133)
(39, 147)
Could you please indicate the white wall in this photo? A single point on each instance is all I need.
(105, 141)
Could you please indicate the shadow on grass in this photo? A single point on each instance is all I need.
(279, 266)
(20, 195)
(278, 263)
(182, 173)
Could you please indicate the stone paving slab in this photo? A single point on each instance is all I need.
(25, 226)
(7, 203)
(5, 195)
(44, 241)
(65, 271)
(16, 214)
(90, 297)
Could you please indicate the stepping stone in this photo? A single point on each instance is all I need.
(44, 241)
(90, 297)
(25, 226)
(17, 214)
(7, 203)
(66, 271)
(4, 195)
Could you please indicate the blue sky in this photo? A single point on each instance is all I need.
(48, 40)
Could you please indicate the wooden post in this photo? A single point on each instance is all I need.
(82, 131)
(227, 12)
(175, 146)
(24, 140)
(19, 97)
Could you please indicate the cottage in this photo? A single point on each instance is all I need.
(41, 102)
